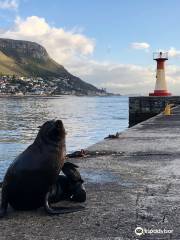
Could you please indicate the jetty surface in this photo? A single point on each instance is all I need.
(132, 181)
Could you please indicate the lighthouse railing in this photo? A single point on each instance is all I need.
(159, 55)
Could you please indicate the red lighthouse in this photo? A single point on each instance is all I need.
(161, 86)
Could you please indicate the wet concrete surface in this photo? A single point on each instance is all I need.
(132, 181)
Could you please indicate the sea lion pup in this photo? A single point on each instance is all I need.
(75, 188)
(68, 187)
(30, 177)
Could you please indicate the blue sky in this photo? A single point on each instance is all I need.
(122, 34)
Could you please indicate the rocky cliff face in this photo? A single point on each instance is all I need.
(24, 58)
(23, 49)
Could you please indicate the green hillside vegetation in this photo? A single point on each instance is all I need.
(8, 66)
(13, 63)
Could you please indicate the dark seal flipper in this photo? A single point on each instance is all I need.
(60, 210)
(4, 202)
(3, 212)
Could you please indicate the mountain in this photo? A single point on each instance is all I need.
(29, 59)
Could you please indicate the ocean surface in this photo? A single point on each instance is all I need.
(87, 120)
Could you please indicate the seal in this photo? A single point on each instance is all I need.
(68, 187)
(31, 176)
(75, 187)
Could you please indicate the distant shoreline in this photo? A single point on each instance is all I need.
(56, 96)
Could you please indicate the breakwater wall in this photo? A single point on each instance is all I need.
(143, 108)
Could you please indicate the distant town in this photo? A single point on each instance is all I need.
(27, 86)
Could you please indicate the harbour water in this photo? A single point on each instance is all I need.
(87, 120)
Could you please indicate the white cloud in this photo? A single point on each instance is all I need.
(64, 46)
(172, 52)
(140, 45)
(9, 4)
(121, 78)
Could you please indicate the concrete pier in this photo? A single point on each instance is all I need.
(132, 181)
